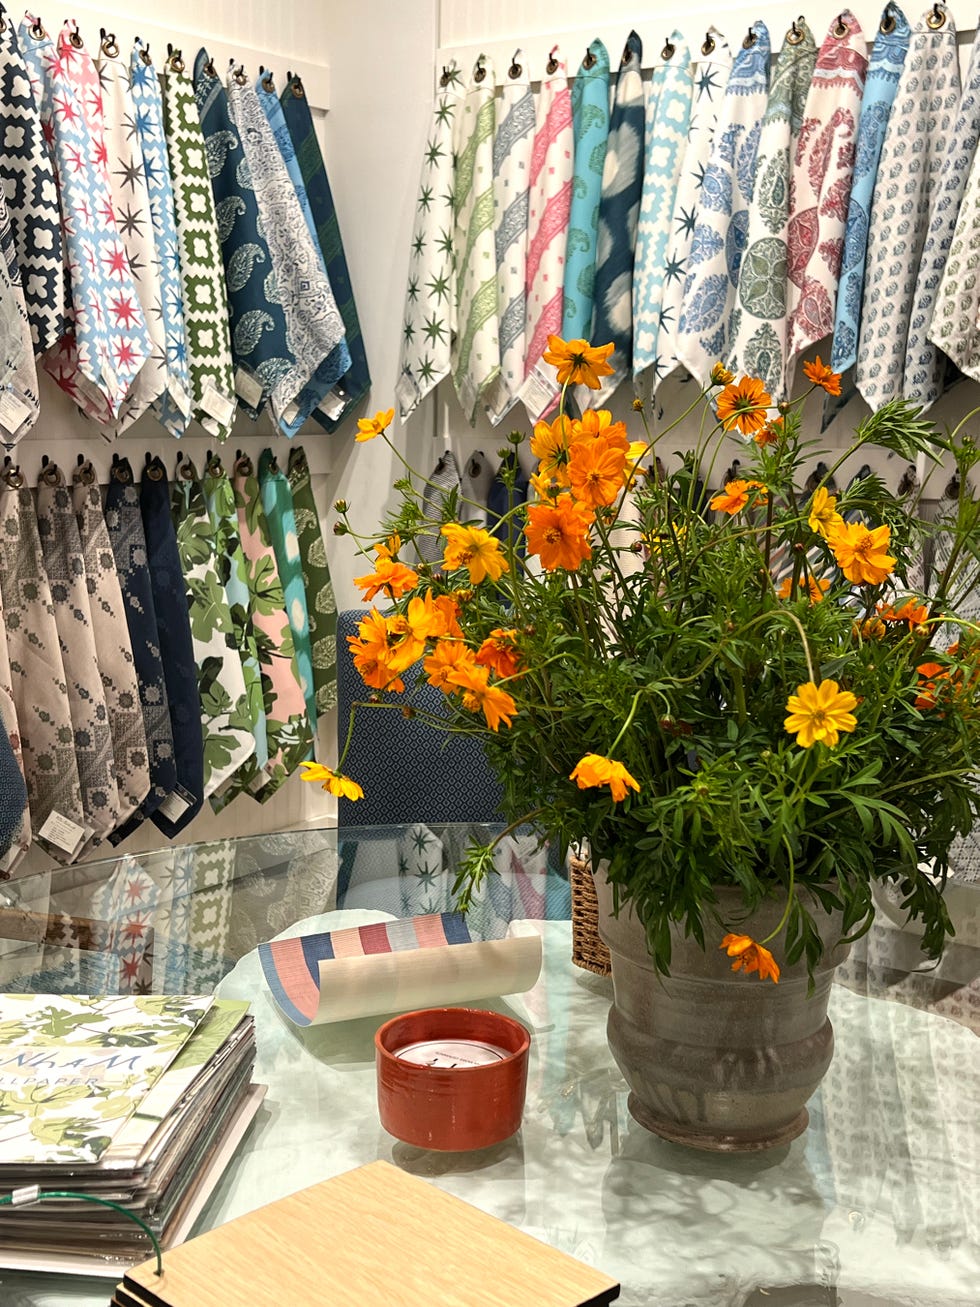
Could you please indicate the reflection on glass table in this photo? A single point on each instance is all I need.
(874, 1206)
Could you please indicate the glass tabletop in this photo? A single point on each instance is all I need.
(875, 1205)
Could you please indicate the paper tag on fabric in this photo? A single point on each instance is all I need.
(176, 803)
(62, 832)
(290, 415)
(248, 387)
(14, 412)
(332, 406)
(538, 393)
(218, 406)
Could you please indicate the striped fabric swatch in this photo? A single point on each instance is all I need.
(348, 392)
(552, 169)
(476, 344)
(590, 130)
(712, 66)
(512, 145)
(667, 123)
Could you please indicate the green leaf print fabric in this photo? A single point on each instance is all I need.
(321, 606)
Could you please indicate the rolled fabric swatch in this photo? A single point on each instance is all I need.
(395, 966)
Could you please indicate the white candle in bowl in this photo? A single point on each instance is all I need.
(451, 1053)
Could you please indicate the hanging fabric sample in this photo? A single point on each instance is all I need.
(590, 132)
(287, 721)
(19, 402)
(13, 796)
(314, 325)
(476, 343)
(173, 406)
(203, 294)
(64, 565)
(124, 523)
(710, 77)
(430, 301)
(233, 572)
(13, 800)
(619, 208)
(759, 325)
(32, 198)
(884, 70)
(225, 720)
(321, 606)
(508, 490)
(277, 504)
(512, 144)
(667, 122)
(355, 383)
(131, 204)
(549, 209)
(96, 362)
(722, 220)
(442, 482)
(922, 118)
(113, 646)
(924, 365)
(820, 186)
(183, 803)
(264, 367)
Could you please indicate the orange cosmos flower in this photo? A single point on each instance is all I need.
(394, 578)
(333, 782)
(743, 406)
(500, 653)
(558, 533)
(816, 588)
(736, 495)
(594, 770)
(597, 472)
(476, 550)
(368, 428)
(750, 956)
(771, 433)
(372, 654)
(578, 362)
(862, 554)
(931, 676)
(821, 375)
(551, 444)
(915, 614)
(598, 422)
(448, 607)
(447, 657)
(478, 694)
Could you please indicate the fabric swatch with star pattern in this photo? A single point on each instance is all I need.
(759, 326)
(669, 100)
(131, 203)
(321, 605)
(590, 132)
(314, 326)
(512, 144)
(173, 406)
(475, 351)
(96, 362)
(27, 172)
(124, 524)
(820, 185)
(920, 124)
(712, 66)
(429, 318)
(354, 384)
(264, 367)
(64, 564)
(722, 220)
(203, 294)
(38, 683)
(925, 365)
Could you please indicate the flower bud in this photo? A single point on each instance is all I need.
(340, 506)
(340, 529)
(408, 712)
(638, 405)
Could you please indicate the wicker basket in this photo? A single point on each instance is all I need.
(588, 950)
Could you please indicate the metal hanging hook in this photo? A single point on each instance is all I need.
(668, 51)
(590, 60)
(749, 39)
(480, 72)
(552, 61)
(936, 19)
(708, 44)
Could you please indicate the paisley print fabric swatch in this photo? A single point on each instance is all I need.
(590, 130)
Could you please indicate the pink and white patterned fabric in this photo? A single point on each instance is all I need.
(820, 185)
(552, 166)
(95, 362)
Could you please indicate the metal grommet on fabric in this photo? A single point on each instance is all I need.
(268, 83)
(749, 40)
(840, 28)
(241, 77)
(175, 60)
(708, 44)
(515, 69)
(668, 51)
(37, 30)
(936, 19)
(75, 38)
(51, 475)
(480, 72)
(109, 46)
(888, 23)
(795, 34)
(297, 88)
(14, 478)
(590, 60)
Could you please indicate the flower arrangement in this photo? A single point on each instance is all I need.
(752, 687)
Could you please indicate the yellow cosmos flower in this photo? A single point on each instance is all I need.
(368, 428)
(818, 713)
(594, 770)
(750, 956)
(578, 362)
(333, 782)
(862, 555)
(476, 550)
(720, 376)
(824, 517)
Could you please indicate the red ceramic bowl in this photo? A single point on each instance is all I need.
(445, 1107)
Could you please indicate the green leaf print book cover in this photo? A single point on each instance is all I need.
(74, 1069)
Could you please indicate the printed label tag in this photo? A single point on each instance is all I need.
(290, 415)
(333, 405)
(248, 387)
(176, 804)
(218, 406)
(62, 832)
(28, 1194)
(537, 392)
(13, 412)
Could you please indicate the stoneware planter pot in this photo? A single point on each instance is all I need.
(717, 1059)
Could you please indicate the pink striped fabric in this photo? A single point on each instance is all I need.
(552, 165)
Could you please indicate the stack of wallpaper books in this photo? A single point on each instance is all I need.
(138, 1101)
